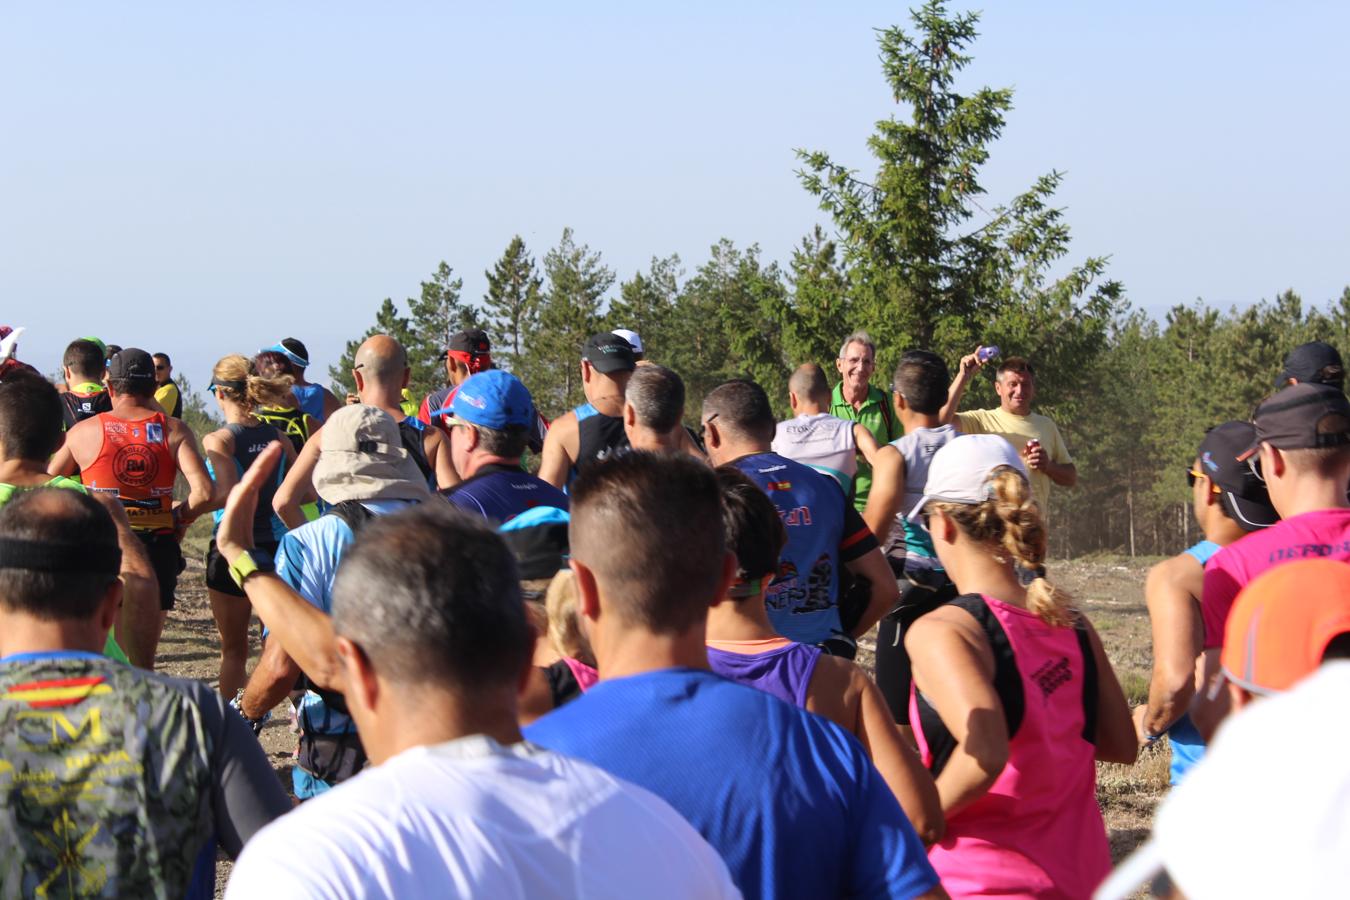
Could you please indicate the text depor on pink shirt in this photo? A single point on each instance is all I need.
(1324, 534)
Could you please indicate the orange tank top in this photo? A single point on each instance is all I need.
(136, 462)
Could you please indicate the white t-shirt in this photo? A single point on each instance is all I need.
(471, 818)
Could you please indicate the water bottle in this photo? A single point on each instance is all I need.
(984, 354)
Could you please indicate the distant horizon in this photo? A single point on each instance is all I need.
(201, 182)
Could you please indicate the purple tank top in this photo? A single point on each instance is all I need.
(784, 672)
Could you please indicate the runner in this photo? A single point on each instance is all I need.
(593, 430)
(788, 798)
(1315, 362)
(1014, 696)
(653, 412)
(1302, 452)
(808, 601)
(315, 400)
(855, 399)
(83, 366)
(30, 432)
(1229, 502)
(238, 389)
(455, 802)
(363, 472)
(136, 452)
(489, 423)
(167, 394)
(116, 782)
(919, 389)
(467, 354)
(814, 437)
(287, 415)
(381, 371)
(742, 646)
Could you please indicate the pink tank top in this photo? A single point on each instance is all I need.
(1038, 831)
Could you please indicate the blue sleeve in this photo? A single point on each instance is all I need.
(888, 859)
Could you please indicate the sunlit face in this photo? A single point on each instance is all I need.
(1015, 392)
(856, 365)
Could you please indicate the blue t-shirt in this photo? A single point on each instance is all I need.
(824, 532)
(309, 397)
(1188, 747)
(307, 559)
(788, 798)
(500, 493)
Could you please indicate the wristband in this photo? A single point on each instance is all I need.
(256, 725)
(249, 562)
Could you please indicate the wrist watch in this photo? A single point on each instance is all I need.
(248, 562)
(237, 704)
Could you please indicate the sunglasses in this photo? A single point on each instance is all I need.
(1191, 475)
(703, 428)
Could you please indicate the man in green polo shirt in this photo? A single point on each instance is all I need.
(856, 400)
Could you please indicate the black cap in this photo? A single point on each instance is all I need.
(1315, 362)
(1297, 418)
(132, 363)
(471, 340)
(608, 352)
(1241, 490)
(538, 538)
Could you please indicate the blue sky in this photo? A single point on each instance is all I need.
(206, 180)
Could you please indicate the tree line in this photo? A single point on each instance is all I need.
(912, 255)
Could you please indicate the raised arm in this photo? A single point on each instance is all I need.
(970, 363)
(867, 444)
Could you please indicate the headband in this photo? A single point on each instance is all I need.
(295, 358)
(71, 559)
(237, 386)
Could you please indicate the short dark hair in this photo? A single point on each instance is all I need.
(62, 517)
(433, 592)
(921, 378)
(296, 346)
(657, 395)
(754, 529)
(163, 356)
(1018, 365)
(30, 417)
(742, 408)
(133, 387)
(85, 359)
(661, 579)
(508, 442)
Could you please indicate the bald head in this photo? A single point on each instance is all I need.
(808, 384)
(381, 359)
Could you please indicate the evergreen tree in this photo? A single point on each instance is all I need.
(512, 302)
(817, 317)
(435, 315)
(387, 321)
(921, 270)
(570, 313)
(647, 304)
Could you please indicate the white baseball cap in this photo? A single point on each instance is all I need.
(631, 337)
(959, 472)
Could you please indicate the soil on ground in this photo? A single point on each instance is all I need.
(1109, 589)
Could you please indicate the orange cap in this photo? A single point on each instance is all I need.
(1283, 621)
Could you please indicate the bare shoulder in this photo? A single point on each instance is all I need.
(1182, 570)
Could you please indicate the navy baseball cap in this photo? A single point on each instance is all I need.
(608, 352)
(492, 399)
(1315, 362)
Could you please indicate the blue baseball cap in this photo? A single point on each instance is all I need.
(493, 399)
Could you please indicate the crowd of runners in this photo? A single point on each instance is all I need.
(612, 655)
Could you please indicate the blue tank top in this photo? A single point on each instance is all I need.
(309, 397)
(784, 672)
(1188, 747)
(585, 411)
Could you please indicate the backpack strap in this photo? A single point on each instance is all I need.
(888, 417)
(1089, 682)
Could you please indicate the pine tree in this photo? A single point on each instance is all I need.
(512, 303)
(647, 304)
(435, 315)
(816, 318)
(387, 321)
(570, 313)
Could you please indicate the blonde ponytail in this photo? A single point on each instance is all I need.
(1011, 520)
(237, 379)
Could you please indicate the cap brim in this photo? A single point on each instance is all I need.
(606, 366)
(1251, 451)
(917, 511)
(1249, 514)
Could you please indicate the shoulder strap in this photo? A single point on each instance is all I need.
(412, 433)
(1089, 683)
(1007, 679)
(888, 417)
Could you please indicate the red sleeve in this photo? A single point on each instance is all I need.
(857, 539)
(1216, 600)
(424, 411)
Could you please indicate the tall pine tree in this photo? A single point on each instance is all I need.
(387, 321)
(435, 315)
(511, 303)
(570, 313)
